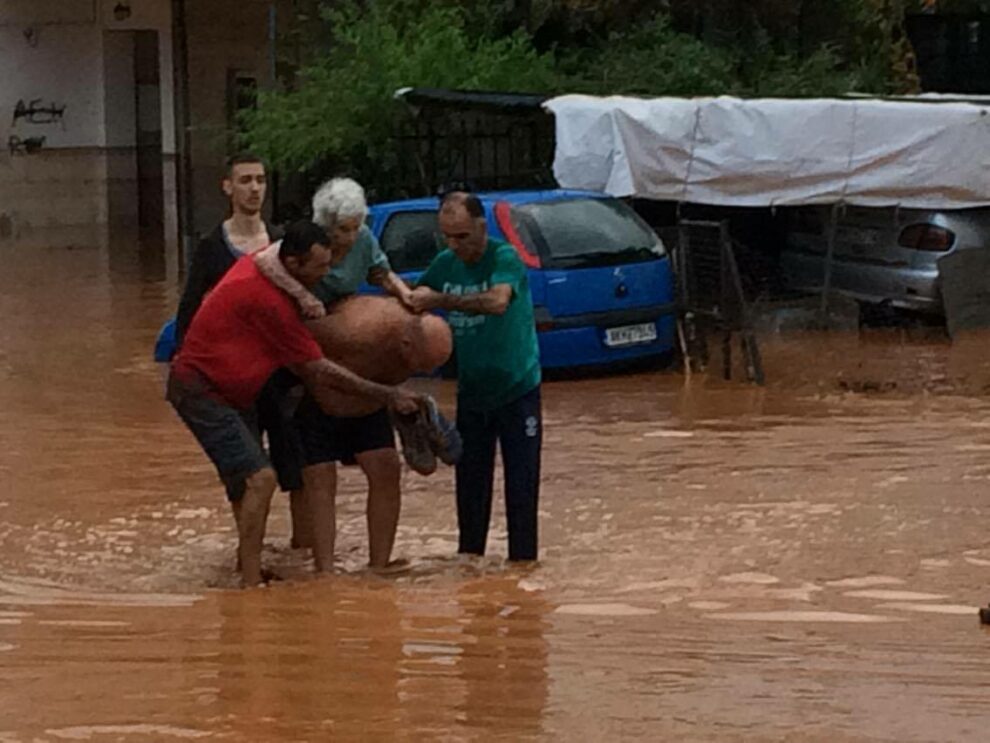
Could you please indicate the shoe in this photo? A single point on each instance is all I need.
(416, 447)
(445, 440)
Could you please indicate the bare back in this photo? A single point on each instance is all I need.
(363, 334)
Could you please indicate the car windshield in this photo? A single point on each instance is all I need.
(410, 240)
(584, 232)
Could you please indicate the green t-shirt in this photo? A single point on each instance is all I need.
(344, 279)
(498, 359)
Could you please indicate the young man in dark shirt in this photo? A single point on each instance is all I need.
(242, 233)
(245, 232)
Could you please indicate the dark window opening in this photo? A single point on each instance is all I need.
(410, 240)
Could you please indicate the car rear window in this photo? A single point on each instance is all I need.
(410, 240)
(585, 232)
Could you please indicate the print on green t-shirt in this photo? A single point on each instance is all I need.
(344, 279)
(498, 358)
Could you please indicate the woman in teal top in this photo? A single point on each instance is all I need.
(339, 206)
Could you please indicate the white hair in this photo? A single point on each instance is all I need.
(338, 198)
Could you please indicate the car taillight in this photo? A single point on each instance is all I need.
(926, 237)
(504, 219)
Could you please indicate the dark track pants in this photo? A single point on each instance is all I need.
(518, 428)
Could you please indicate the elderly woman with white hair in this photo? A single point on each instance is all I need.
(339, 207)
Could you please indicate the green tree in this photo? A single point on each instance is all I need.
(961, 7)
(342, 103)
(336, 108)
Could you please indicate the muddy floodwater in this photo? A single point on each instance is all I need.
(720, 562)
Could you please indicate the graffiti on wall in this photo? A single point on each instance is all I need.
(26, 146)
(36, 112)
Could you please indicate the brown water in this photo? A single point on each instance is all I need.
(720, 562)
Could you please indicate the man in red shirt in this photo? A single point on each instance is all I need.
(245, 329)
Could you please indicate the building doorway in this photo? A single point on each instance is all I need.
(133, 119)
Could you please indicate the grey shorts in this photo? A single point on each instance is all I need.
(229, 436)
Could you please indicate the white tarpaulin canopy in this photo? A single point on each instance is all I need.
(766, 152)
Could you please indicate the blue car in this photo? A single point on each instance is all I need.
(602, 284)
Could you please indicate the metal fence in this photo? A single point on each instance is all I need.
(712, 297)
(952, 51)
(479, 149)
(489, 152)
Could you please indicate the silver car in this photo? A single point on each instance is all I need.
(881, 256)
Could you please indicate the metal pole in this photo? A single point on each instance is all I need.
(748, 345)
(272, 36)
(684, 314)
(725, 303)
(829, 252)
(272, 60)
(184, 179)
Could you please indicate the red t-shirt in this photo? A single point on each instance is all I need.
(244, 330)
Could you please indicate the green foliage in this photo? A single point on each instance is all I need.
(348, 60)
(650, 60)
(764, 71)
(655, 59)
(343, 102)
(962, 7)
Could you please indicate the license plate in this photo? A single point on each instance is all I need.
(629, 335)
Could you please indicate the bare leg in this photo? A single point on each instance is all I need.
(320, 493)
(381, 467)
(251, 525)
(302, 528)
(235, 507)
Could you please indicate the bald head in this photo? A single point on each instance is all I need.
(427, 344)
(462, 224)
(455, 201)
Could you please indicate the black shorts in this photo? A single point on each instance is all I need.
(328, 438)
(276, 407)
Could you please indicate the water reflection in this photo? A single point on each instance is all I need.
(352, 661)
(503, 663)
(310, 660)
(706, 544)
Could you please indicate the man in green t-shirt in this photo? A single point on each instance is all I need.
(484, 287)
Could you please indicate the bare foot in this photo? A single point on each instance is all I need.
(270, 576)
(394, 567)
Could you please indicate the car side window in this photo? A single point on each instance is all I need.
(410, 240)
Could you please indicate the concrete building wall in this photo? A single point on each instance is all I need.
(73, 74)
(67, 112)
(226, 39)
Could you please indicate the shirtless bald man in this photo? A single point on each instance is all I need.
(378, 338)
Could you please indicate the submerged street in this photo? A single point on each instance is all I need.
(719, 561)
